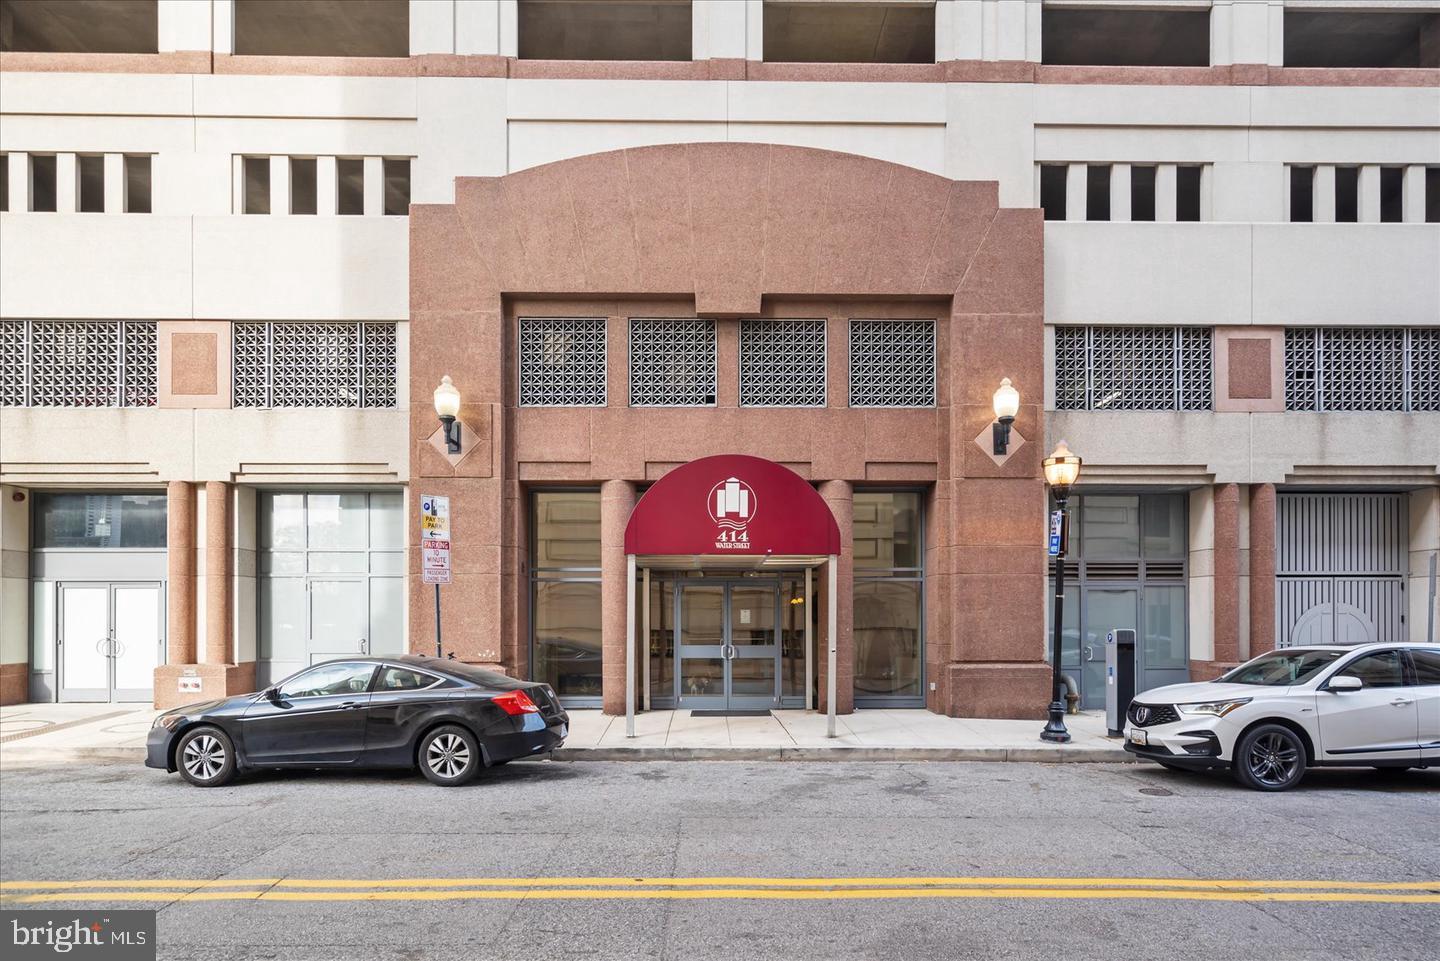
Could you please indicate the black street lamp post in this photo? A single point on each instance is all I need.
(1062, 469)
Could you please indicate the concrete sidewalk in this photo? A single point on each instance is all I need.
(47, 734)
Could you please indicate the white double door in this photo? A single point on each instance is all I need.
(111, 638)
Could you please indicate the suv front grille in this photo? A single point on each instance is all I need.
(1155, 714)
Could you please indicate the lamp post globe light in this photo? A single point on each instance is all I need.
(1062, 470)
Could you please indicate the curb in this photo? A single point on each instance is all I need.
(37, 757)
(1077, 755)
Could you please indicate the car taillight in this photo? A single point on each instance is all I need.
(515, 702)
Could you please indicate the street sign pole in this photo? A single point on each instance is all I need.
(437, 621)
(435, 550)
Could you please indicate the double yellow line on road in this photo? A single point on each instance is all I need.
(720, 888)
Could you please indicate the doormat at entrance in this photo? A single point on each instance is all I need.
(729, 713)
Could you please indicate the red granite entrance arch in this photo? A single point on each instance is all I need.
(728, 233)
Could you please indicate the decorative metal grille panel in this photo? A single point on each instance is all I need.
(1425, 368)
(672, 362)
(892, 363)
(562, 362)
(1362, 368)
(1072, 368)
(782, 363)
(1301, 369)
(281, 364)
(14, 363)
(77, 363)
(1134, 368)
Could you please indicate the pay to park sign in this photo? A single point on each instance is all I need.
(434, 539)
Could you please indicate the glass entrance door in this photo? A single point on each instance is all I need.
(110, 641)
(727, 645)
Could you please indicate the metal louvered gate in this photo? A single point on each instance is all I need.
(1340, 568)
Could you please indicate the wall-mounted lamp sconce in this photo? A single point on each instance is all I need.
(447, 405)
(1007, 405)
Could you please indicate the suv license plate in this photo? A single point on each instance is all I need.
(1139, 737)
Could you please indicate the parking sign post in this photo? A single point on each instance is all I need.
(435, 549)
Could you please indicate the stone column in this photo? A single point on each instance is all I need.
(219, 645)
(617, 500)
(1227, 576)
(180, 590)
(840, 496)
(1262, 568)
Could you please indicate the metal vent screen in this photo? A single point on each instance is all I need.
(281, 364)
(1134, 368)
(892, 363)
(77, 363)
(1362, 368)
(672, 362)
(562, 362)
(782, 363)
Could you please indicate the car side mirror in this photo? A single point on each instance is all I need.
(272, 694)
(1344, 682)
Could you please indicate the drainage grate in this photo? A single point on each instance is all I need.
(62, 726)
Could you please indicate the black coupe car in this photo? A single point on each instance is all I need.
(447, 717)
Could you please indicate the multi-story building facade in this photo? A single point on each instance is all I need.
(242, 242)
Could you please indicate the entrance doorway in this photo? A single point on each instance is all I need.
(727, 644)
(110, 640)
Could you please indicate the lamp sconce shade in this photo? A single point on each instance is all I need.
(1007, 404)
(447, 406)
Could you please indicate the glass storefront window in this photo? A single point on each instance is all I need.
(565, 607)
(1164, 526)
(331, 577)
(567, 637)
(132, 521)
(566, 527)
(1111, 526)
(1126, 569)
(889, 596)
(1164, 635)
(887, 530)
(889, 660)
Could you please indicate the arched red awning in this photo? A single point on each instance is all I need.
(732, 505)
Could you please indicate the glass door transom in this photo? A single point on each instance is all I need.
(727, 644)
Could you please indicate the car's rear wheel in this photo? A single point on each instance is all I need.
(449, 755)
(205, 757)
(1269, 758)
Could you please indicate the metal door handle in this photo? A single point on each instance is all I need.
(1089, 652)
(98, 644)
(348, 705)
(364, 645)
(117, 648)
(1401, 702)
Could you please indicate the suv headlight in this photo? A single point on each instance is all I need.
(1215, 708)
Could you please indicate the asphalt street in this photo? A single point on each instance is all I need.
(734, 860)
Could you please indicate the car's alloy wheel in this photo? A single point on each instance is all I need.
(447, 755)
(450, 755)
(206, 757)
(1270, 758)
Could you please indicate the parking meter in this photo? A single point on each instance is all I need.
(1119, 678)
